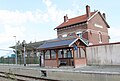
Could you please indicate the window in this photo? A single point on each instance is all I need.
(53, 54)
(100, 37)
(79, 34)
(65, 35)
(47, 54)
(97, 25)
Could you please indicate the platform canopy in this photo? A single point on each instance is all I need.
(60, 43)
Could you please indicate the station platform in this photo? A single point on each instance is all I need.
(86, 73)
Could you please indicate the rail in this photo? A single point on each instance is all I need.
(17, 77)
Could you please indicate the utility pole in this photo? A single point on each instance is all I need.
(23, 44)
(15, 50)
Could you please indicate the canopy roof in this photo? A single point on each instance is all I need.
(60, 43)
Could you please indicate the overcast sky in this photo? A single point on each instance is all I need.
(35, 20)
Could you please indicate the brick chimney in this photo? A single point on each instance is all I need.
(65, 18)
(104, 16)
(88, 11)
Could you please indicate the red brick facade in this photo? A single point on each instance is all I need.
(92, 26)
(98, 30)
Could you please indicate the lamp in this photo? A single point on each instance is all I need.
(23, 44)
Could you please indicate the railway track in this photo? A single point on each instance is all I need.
(16, 77)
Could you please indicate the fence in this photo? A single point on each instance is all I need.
(11, 60)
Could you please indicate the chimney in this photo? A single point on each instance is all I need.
(65, 18)
(88, 11)
(104, 16)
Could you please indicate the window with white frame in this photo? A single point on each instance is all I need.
(79, 34)
(97, 25)
(65, 35)
(100, 37)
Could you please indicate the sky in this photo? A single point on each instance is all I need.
(35, 20)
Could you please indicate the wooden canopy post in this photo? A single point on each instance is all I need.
(44, 51)
(73, 56)
(57, 57)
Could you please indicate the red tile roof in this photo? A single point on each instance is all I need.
(79, 19)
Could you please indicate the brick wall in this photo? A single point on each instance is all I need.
(72, 29)
(94, 29)
(80, 62)
(50, 63)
